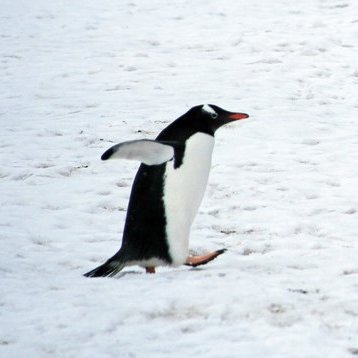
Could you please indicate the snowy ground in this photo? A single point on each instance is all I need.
(77, 76)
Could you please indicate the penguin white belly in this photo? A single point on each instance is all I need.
(184, 189)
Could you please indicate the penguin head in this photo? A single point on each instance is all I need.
(213, 117)
(205, 118)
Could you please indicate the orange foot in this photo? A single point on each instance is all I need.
(204, 259)
(150, 269)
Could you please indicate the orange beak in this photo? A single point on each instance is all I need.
(238, 116)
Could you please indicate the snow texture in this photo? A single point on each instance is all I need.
(80, 76)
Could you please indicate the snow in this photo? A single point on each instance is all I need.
(80, 76)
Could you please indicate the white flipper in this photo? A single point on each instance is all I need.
(147, 151)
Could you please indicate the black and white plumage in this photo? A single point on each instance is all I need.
(167, 191)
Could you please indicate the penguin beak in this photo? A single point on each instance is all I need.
(237, 116)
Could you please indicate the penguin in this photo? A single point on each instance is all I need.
(167, 191)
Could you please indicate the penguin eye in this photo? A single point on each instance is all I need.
(213, 115)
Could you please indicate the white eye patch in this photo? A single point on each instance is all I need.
(208, 109)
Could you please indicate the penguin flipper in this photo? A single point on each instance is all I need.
(110, 268)
(150, 152)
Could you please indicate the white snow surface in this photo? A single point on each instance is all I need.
(80, 76)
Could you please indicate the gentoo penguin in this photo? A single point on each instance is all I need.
(167, 191)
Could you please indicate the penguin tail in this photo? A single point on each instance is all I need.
(110, 268)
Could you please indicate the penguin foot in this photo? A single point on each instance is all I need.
(150, 269)
(194, 261)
